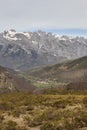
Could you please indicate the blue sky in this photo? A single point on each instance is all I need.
(71, 32)
(60, 16)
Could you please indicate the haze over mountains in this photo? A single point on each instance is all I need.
(24, 50)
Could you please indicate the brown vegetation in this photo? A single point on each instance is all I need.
(10, 81)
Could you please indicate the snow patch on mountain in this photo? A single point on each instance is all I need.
(26, 34)
(10, 35)
(10, 38)
(30, 49)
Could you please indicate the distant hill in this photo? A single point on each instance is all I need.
(71, 71)
(10, 82)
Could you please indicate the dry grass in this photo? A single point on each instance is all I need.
(43, 112)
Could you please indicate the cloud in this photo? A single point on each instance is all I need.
(28, 14)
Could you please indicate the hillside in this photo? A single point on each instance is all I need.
(10, 82)
(75, 70)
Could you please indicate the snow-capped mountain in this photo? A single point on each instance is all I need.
(22, 50)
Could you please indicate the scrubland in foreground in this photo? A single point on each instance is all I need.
(25, 111)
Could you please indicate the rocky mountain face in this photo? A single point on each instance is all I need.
(22, 50)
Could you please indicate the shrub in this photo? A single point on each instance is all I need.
(68, 125)
(1, 118)
(22, 128)
(59, 104)
(16, 113)
(81, 120)
(27, 119)
(47, 126)
(85, 101)
(6, 106)
(10, 125)
(29, 108)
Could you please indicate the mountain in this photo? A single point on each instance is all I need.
(24, 50)
(70, 71)
(10, 81)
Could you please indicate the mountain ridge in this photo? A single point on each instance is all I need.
(24, 50)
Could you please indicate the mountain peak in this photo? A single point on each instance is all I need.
(22, 50)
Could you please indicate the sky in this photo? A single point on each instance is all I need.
(50, 15)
